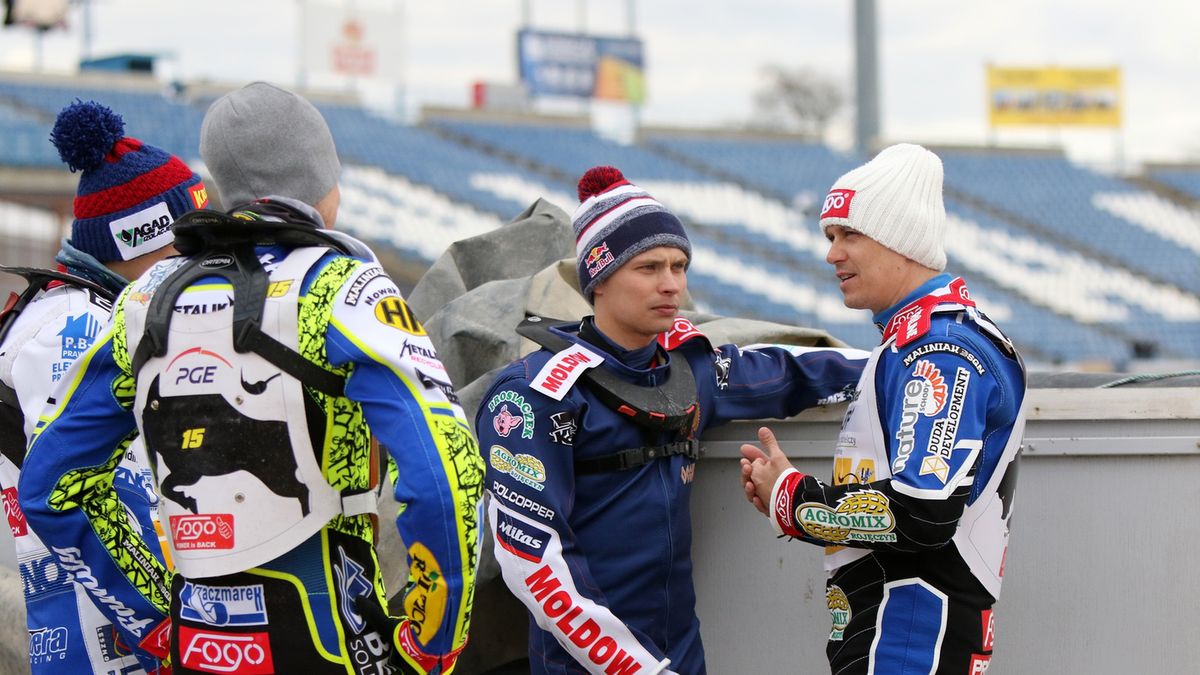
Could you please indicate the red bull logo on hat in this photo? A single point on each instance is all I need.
(597, 259)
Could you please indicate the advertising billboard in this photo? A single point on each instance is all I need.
(582, 66)
(1054, 96)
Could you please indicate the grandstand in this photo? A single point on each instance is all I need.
(1082, 269)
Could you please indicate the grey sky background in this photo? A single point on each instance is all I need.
(704, 57)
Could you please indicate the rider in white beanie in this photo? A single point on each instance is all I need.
(895, 199)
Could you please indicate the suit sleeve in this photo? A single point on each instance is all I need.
(934, 411)
(778, 382)
(66, 491)
(411, 407)
(531, 486)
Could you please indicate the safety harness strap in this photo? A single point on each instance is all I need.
(635, 457)
(221, 245)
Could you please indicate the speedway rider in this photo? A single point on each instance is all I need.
(129, 193)
(915, 522)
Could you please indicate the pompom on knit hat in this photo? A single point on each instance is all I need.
(616, 220)
(262, 141)
(129, 192)
(895, 199)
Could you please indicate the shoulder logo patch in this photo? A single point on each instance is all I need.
(559, 374)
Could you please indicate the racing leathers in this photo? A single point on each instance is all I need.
(915, 521)
(599, 555)
(67, 633)
(266, 482)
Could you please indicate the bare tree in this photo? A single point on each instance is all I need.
(799, 100)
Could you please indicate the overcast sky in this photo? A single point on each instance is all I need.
(704, 57)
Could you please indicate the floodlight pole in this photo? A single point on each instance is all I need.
(866, 76)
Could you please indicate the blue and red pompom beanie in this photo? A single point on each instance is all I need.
(129, 192)
(616, 220)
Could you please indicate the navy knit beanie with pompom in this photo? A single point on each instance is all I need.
(615, 221)
(129, 192)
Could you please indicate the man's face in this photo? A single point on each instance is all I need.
(641, 299)
(871, 275)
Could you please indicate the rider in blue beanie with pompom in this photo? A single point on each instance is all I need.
(128, 196)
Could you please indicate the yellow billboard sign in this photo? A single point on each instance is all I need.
(1054, 96)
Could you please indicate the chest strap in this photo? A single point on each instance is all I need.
(635, 457)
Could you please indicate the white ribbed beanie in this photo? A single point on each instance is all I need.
(895, 199)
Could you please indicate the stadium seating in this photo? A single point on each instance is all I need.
(1184, 179)
(1075, 265)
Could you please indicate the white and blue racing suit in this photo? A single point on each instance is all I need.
(916, 518)
(67, 632)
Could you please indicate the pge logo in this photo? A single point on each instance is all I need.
(214, 652)
(207, 531)
(47, 644)
(189, 372)
(837, 204)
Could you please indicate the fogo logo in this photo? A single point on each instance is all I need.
(16, 517)
(214, 652)
(207, 531)
(837, 204)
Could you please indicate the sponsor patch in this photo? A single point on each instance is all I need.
(521, 501)
(597, 259)
(419, 353)
(394, 312)
(839, 611)
(526, 469)
(687, 473)
(48, 645)
(202, 532)
(945, 431)
(862, 515)
(837, 204)
(557, 605)
(519, 538)
(216, 262)
(944, 348)
(353, 583)
(199, 195)
(923, 395)
(980, 663)
(77, 335)
(211, 651)
(988, 622)
(427, 594)
(143, 231)
(360, 282)
(559, 374)
(223, 605)
(524, 416)
(111, 647)
(16, 517)
(563, 431)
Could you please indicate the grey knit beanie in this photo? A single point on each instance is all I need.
(261, 140)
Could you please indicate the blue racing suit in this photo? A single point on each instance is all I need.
(915, 521)
(228, 474)
(602, 558)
